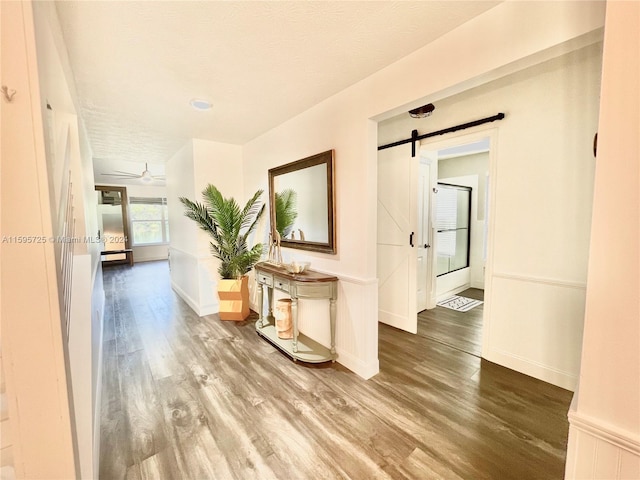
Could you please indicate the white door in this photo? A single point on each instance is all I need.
(427, 179)
(397, 229)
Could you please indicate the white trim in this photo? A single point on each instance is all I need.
(355, 280)
(452, 292)
(189, 254)
(209, 309)
(395, 321)
(159, 244)
(153, 258)
(465, 154)
(609, 433)
(96, 265)
(97, 407)
(560, 378)
(545, 281)
(365, 370)
(201, 311)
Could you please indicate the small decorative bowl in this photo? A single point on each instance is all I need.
(297, 267)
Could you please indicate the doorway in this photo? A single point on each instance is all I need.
(457, 219)
(407, 227)
(456, 223)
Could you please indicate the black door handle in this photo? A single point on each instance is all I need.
(426, 245)
(411, 239)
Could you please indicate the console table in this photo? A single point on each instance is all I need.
(308, 284)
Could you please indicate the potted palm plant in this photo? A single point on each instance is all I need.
(229, 227)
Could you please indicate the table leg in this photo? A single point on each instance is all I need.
(260, 305)
(294, 319)
(332, 319)
(270, 317)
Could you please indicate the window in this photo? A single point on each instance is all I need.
(453, 212)
(149, 220)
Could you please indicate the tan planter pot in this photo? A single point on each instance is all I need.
(234, 299)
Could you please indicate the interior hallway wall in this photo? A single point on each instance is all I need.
(33, 352)
(344, 123)
(194, 274)
(70, 165)
(604, 432)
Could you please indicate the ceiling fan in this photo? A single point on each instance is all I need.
(145, 176)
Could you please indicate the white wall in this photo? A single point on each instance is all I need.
(604, 433)
(182, 232)
(343, 122)
(194, 273)
(68, 149)
(32, 341)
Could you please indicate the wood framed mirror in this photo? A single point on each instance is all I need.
(302, 205)
(113, 224)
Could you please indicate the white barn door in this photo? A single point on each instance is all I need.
(397, 232)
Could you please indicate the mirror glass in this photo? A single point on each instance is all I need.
(112, 220)
(302, 205)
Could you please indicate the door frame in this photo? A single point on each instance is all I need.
(461, 139)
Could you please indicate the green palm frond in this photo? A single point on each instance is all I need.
(229, 227)
(286, 213)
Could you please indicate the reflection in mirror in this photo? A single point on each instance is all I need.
(302, 207)
(112, 220)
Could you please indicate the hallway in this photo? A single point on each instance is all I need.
(196, 398)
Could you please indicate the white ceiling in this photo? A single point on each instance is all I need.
(137, 64)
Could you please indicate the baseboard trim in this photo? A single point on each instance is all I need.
(622, 439)
(150, 259)
(455, 291)
(393, 320)
(201, 310)
(182, 294)
(534, 369)
(210, 309)
(98, 400)
(366, 370)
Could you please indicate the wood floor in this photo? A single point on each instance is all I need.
(196, 398)
(461, 330)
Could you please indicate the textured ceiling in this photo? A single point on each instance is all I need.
(137, 64)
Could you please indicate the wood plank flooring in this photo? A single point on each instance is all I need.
(461, 330)
(197, 398)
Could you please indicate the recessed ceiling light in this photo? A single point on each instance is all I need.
(200, 104)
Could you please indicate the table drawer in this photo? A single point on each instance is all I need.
(281, 284)
(264, 279)
(316, 290)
